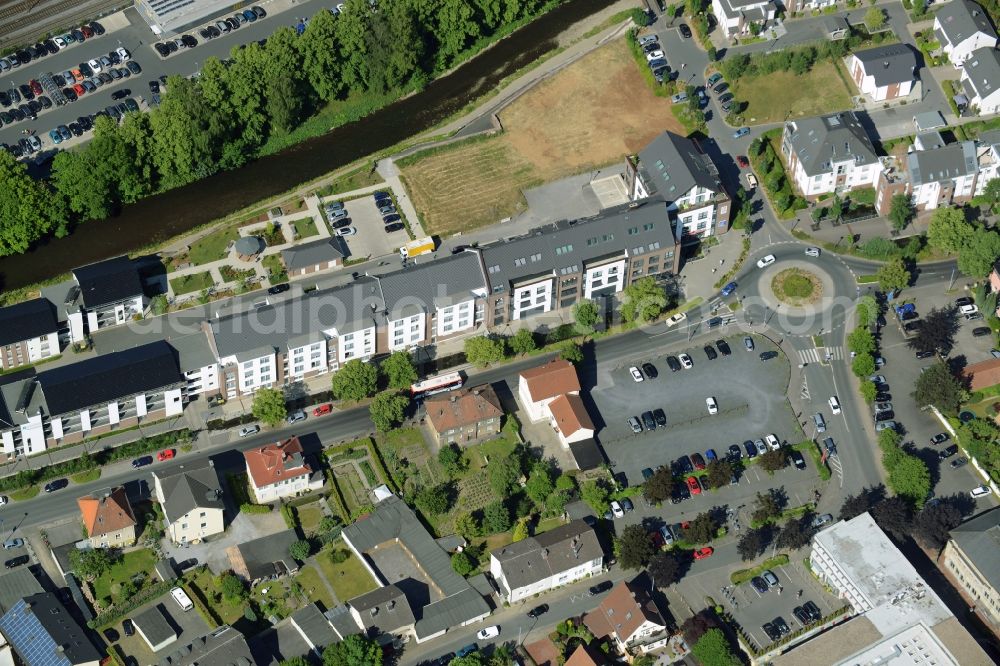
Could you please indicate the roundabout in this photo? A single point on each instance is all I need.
(796, 286)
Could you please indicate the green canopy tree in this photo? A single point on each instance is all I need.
(484, 350)
(911, 479)
(398, 368)
(633, 548)
(893, 275)
(948, 231)
(643, 301)
(523, 342)
(937, 386)
(712, 649)
(977, 257)
(269, 406)
(571, 351)
(356, 380)
(27, 209)
(585, 314)
(900, 211)
(388, 409)
(355, 650)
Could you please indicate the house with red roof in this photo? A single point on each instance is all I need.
(280, 470)
(108, 518)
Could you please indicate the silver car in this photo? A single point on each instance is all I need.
(246, 431)
(296, 416)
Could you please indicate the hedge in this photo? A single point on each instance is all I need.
(255, 508)
(290, 515)
(211, 619)
(743, 575)
(122, 609)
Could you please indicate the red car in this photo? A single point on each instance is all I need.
(693, 485)
(702, 553)
(87, 32)
(323, 409)
(742, 161)
(165, 454)
(79, 90)
(36, 87)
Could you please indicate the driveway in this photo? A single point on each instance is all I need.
(212, 552)
(187, 626)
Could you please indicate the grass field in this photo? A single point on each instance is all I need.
(87, 477)
(309, 517)
(590, 114)
(202, 580)
(133, 562)
(784, 95)
(312, 584)
(188, 283)
(348, 579)
(305, 227)
(351, 487)
(212, 247)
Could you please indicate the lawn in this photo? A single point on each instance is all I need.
(353, 490)
(194, 282)
(408, 444)
(24, 493)
(348, 579)
(131, 563)
(87, 477)
(213, 246)
(230, 274)
(203, 580)
(312, 584)
(783, 95)
(363, 176)
(305, 228)
(275, 269)
(590, 114)
(309, 517)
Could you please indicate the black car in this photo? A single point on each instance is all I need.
(650, 370)
(765, 356)
(142, 462)
(715, 322)
(684, 465)
(127, 627)
(120, 94)
(205, 34)
(189, 41)
(96, 27)
(133, 66)
(341, 223)
(85, 122)
(277, 289)
(750, 448)
(397, 226)
(723, 347)
(947, 452)
(44, 101)
(887, 415)
(80, 37)
(389, 219)
(660, 417)
(16, 561)
(684, 30)
(673, 363)
(959, 462)
(734, 452)
(771, 632)
(213, 32)
(647, 474)
(648, 420)
(798, 460)
(703, 480)
(538, 610)
(759, 584)
(680, 493)
(924, 354)
(75, 129)
(26, 92)
(964, 300)
(58, 484)
(111, 635)
(51, 47)
(782, 626)
(813, 610)
(711, 353)
(259, 11)
(162, 49)
(600, 587)
(154, 87)
(801, 615)
(980, 332)
(883, 397)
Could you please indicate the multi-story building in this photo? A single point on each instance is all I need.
(628, 617)
(675, 168)
(981, 80)
(43, 633)
(108, 518)
(108, 293)
(962, 26)
(737, 17)
(280, 470)
(223, 646)
(941, 174)
(972, 560)
(464, 416)
(539, 386)
(29, 333)
(191, 499)
(884, 73)
(829, 154)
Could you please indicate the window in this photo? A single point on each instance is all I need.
(201, 515)
(564, 249)
(536, 257)
(520, 261)
(648, 227)
(493, 269)
(632, 231)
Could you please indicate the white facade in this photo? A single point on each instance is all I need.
(305, 359)
(285, 488)
(988, 105)
(537, 411)
(32, 438)
(194, 525)
(254, 373)
(737, 20)
(407, 332)
(601, 278)
(456, 318)
(77, 333)
(869, 87)
(44, 346)
(532, 299)
(203, 380)
(358, 344)
(583, 570)
(698, 221)
(960, 52)
(928, 195)
(854, 176)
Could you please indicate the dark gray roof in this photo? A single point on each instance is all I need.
(567, 245)
(154, 625)
(108, 281)
(741, 5)
(165, 570)
(672, 165)
(193, 350)
(960, 19)
(983, 70)
(101, 379)
(15, 584)
(187, 487)
(441, 282)
(314, 252)
(928, 120)
(450, 612)
(27, 320)
(549, 553)
(268, 555)
(311, 622)
(587, 453)
(342, 621)
(891, 63)
(979, 540)
(384, 609)
(820, 140)
(944, 163)
(929, 141)
(220, 647)
(43, 633)
(248, 245)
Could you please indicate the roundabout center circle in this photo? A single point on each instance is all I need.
(797, 287)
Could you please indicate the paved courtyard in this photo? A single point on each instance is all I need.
(187, 626)
(212, 552)
(371, 240)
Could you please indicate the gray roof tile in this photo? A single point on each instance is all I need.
(549, 553)
(979, 539)
(672, 165)
(187, 487)
(941, 164)
(960, 19)
(436, 283)
(819, 140)
(983, 70)
(891, 63)
(108, 281)
(313, 253)
(24, 321)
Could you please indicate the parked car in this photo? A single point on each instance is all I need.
(798, 460)
(603, 586)
(712, 405)
(128, 627)
(693, 485)
(650, 370)
(981, 332)
(947, 452)
(704, 552)
(278, 289)
(939, 438)
(246, 431)
(822, 519)
(13, 543)
(165, 454)
(959, 462)
(16, 561)
(636, 374)
(296, 416)
(770, 578)
(741, 132)
(684, 30)
(978, 491)
(616, 509)
(323, 409)
(142, 462)
(53, 486)
(750, 448)
(634, 424)
(723, 347)
(538, 611)
(673, 363)
(710, 353)
(686, 361)
(759, 584)
(111, 635)
(697, 461)
(713, 80)
(487, 633)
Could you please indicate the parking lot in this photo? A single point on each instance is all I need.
(370, 238)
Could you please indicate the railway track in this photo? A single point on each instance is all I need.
(25, 21)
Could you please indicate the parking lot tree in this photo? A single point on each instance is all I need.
(356, 380)
(719, 473)
(585, 314)
(462, 563)
(936, 331)
(894, 515)
(571, 351)
(868, 391)
(597, 494)
(893, 275)
(856, 504)
(701, 529)
(434, 500)
(948, 231)
(658, 487)
(976, 258)
(932, 524)
(355, 649)
(643, 301)
(795, 533)
(867, 309)
(269, 406)
(388, 410)
(523, 342)
(753, 542)
(773, 460)
(863, 365)
(398, 369)
(698, 625)
(29, 209)
(496, 517)
(713, 649)
(911, 479)
(861, 341)
(633, 547)
(937, 386)
(452, 459)
(483, 350)
(300, 550)
(541, 482)
(664, 568)
(900, 212)
(766, 506)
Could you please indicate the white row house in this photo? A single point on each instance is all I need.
(828, 154)
(962, 27)
(981, 80)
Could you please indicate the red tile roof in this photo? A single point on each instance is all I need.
(552, 379)
(570, 414)
(622, 612)
(106, 512)
(983, 374)
(465, 406)
(584, 655)
(276, 462)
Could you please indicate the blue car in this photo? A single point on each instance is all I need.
(741, 132)
(710, 455)
(55, 136)
(729, 288)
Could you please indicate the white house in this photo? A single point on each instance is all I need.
(537, 387)
(962, 27)
(988, 156)
(191, 499)
(884, 73)
(279, 470)
(546, 561)
(941, 175)
(28, 333)
(737, 16)
(981, 80)
(829, 154)
(568, 416)
(628, 616)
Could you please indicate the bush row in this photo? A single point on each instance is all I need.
(211, 619)
(120, 610)
(255, 508)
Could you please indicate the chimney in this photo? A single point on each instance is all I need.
(454, 398)
(886, 64)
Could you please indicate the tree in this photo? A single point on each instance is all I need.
(713, 649)
(468, 526)
(232, 588)
(875, 19)
(698, 625)
(936, 331)
(476, 658)
(92, 563)
(766, 506)
(855, 505)
(496, 517)
(523, 342)
(158, 304)
(719, 473)
(659, 487)
(702, 529)
(356, 380)
(634, 548)
(522, 530)
(29, 211)
(868, 391)
(948, 231)
(571, 351)
(462, 563)
(991, 195)
(503, 474)
(269, 406)
(894, 515)
(300, 550)
(484, 350)
(867, 309)
(753, 542)
(597, 495)
(541, 482)
(774, 460)
(937, 386)
(893, 275)
(388, 410)
(643, 301)
(294, 661)
(795, 534)
(664, 569)
(861, 341)
(452, 459)
(931, 526)
(901, 209)
(398, 369)
(585, 314)
(911, 479)
(561, 496)
(863, 365)
(434, 500)
(355, 650)
(126, 591)
(976, 257)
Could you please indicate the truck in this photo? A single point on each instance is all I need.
(417, 247)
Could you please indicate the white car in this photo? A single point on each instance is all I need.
(347, 231)
(653, 55)
(95, 65)
(812, 251)
(772, 442)
(834, 404)
(3, 500)
(636, 374)
(487, 633)
(249, 430)
(616, 509)
(713, 406)
(980, 491)
(764, 262)
(60, 43)
(675, 319)
(751, 181)
(968, 309)
(685, 361)
(125, 55)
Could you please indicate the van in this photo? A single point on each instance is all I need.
(182, 599)
(820, 423)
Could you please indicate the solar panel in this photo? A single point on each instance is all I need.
(30, 640)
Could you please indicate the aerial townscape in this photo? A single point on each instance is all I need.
(679, 342)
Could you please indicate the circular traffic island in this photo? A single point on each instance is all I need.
(797, 287)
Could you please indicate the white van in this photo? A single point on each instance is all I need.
(182, 599)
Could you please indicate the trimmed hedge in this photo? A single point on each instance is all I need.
(290, 515)
(211, 619)
(122, 609)
(255, 508)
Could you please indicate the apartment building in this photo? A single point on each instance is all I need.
(191, 499)
(280, 470)
(737, 18)
(464, 416)
(962, 26)
(941, 174)
(628, 618)
(828, 154)
(972, 561)
(29, 333)
(981, 80)
(884, 73)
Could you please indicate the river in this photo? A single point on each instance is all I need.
(165, 215)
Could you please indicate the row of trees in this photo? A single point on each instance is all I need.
(976, 245)
(227, 115)
(929, 525)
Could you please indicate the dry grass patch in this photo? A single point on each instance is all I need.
(588, 115)
(783, 95)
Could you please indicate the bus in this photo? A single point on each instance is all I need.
(439, 384)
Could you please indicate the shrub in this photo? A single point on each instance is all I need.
(255, 508)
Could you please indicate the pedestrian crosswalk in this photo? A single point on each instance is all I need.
(816, 355)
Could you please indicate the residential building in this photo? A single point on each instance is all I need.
(584, 655)
(555, 267)
(988, 156)
(570, 419)
(29, 333)
(981, 80)
(546, 561)
(154, 628)
(383, 611)
(441, 599)
(94, 396)
(983, 374)
(108, 518)
(739, 18)
(191, 499)
(223, 646)
(675, 168)
(313, 628)
(884, 73)
(464, 416)
(828, 154)
(15, 585)
(972, 561)
(265, 558)
(43, 633)
(538, 387)
(941, 174)
(629, 618)
(314, 257)
(280, 470)
(894, 615)
(962, 26)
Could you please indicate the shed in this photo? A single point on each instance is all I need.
(154, 628)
